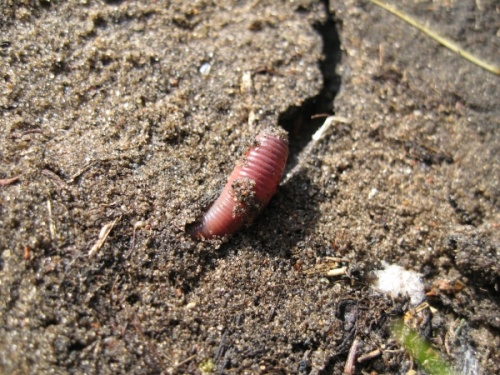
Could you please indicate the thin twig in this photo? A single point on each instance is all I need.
(87, 166)
(320, 134)
(350, 364)
(8, 181)
(452, 46)
(368, 356)
(188, 359)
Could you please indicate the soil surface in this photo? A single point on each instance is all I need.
(120, 122)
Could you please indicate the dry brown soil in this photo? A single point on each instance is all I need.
(121, 121)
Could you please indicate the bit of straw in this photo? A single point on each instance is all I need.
(103, 235)
(337, 272)
(319, 135)
(452, 46)
(52, 226)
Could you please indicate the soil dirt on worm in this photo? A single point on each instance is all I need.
(120, 122)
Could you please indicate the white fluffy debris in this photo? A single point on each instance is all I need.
(395, 280)
(205, 69)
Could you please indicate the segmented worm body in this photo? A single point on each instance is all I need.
(249, 188)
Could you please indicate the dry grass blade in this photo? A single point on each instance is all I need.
(452, 46)
(103, 235)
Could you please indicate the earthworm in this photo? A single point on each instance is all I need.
(249, 188)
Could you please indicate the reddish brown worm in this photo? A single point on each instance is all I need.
(249, 188)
